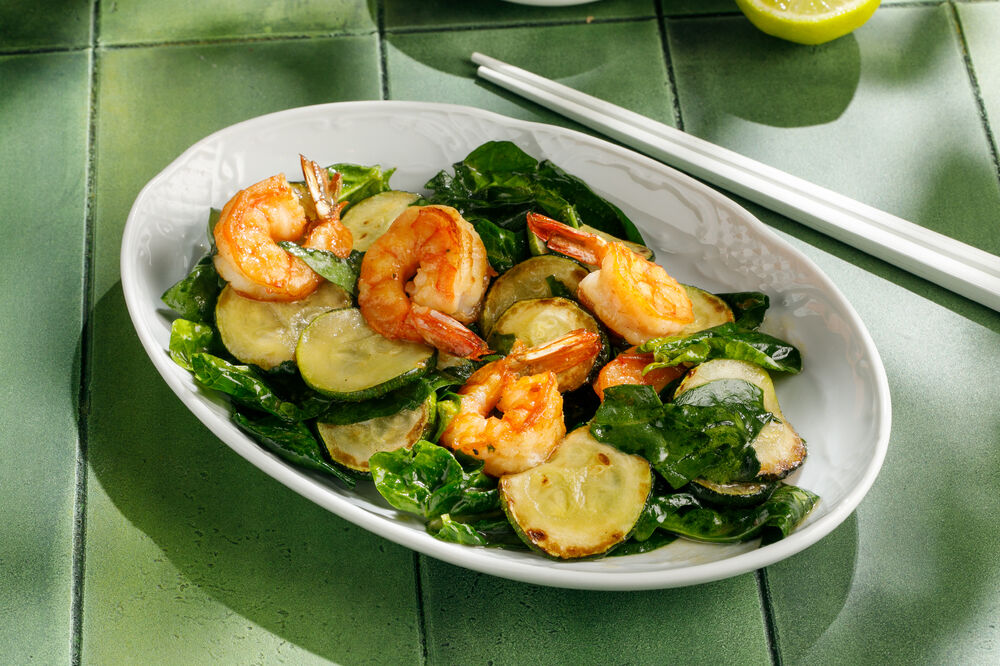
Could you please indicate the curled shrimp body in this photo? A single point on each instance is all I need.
(424, 278)
(628, 368)
(258, 217)
(633, 297)
(524, 388)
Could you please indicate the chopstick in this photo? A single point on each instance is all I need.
(947, 262)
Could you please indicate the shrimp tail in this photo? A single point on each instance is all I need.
(324, 190)
(563, 238)
(575, 348)
(447, 333)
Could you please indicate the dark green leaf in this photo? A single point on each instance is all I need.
(684, 515)
(244, 385)
(504, 248)
(292, 441)
(429, 481)
(360, 182)
(725, 341)
(708, 434)
(748, 308)
(195, 296)
(343, 272)
(410, 396)
(559, 289)
(491, 530)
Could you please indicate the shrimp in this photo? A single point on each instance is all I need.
(627, 368)
(424, 278)
(258, 217)
(523, 387)
(634, 297)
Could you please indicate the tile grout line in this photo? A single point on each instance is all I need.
(83, 417)
(418, 574)
(767, 610)
(382, 58)
(668, 61)
(970, 70)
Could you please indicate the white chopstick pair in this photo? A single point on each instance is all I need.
(945, 261)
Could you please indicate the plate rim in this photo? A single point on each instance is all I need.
(544, 572)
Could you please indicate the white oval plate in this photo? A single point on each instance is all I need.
(839, 403)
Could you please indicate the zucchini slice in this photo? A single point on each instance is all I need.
(352, 444)
(733, 495)
(583, 501)
(779, 448)
(540, 320)
(537, 277)
(341, 357)
(709, 310)
(369, 218)
(265, 333)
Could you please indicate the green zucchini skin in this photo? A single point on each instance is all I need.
(779, 448)
(538, 277)
(369, 218)
(536, 321)
(583, 501)
(709, 310)
(353, 444)
(264, 333)
(340, 356)
(732, 494)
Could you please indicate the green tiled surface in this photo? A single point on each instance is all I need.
(435, 66)
(42, 190)
(28, 24)
(189, 20)
(981, 25)
(406, 14)
(472, 619)
(187, 554)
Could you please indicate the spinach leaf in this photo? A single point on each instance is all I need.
(684, 515)
(245, 386)
(292, 441)
(725, 341)
(410, 396)
(504, 247)
(708, 434)
(188, 338)
(500, 182)
(360, 182)
(490, 530)
(343, 272)
(429, 481)
(194, 296)
(658, 539)
(748, 308)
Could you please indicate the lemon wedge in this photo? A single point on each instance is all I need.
(808, 21)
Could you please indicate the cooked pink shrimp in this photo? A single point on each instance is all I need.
(524, 388)
(257, 218)
(424, 278)
(634, 297)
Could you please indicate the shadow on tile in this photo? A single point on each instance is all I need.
(267, 558)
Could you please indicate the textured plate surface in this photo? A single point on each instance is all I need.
(839, 403)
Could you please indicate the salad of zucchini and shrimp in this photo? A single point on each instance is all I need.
(500, 356)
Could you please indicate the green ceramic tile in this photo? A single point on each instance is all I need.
(912, 576)
(435, 67)
(886, 115)
(43, 189)
(143, 21)
(192, 554)
(155, 102)
(478, 619)
(406, 14)
(706, 7)
(981, 25)
(29, 24)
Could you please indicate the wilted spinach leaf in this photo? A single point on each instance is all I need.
(429, 481)
(194, 297)
(708, 434)
(360, 182)
(292, 441)
(188, 338)
(410, 396)
(725, 341)
(491, 530)
(245, 386)
(748, 308)
(343, 272)
(683, 514)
